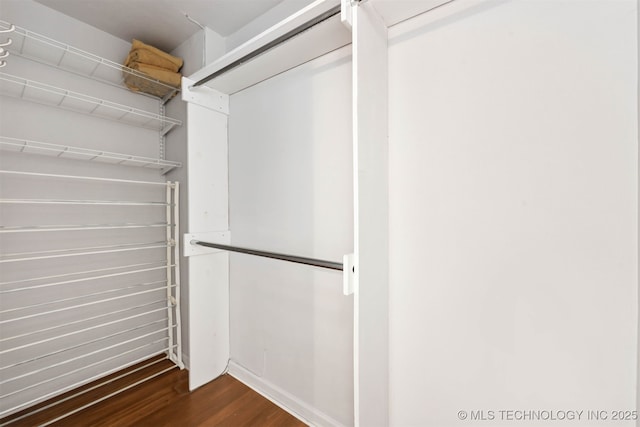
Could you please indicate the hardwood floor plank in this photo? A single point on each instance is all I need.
(166, 401)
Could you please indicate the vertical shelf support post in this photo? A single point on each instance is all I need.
(371, 239)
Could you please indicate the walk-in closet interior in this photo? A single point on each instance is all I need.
(374, 213)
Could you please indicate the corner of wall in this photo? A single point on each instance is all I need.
(200, 49)
(215, 45)
(69, 30)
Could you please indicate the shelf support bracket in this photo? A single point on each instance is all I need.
(205, 96)
(346, 11)
(222, 237)
(346, 16)
(348, 274)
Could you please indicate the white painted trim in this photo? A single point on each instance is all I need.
(290, 403)
(371, 218)
(208, 274)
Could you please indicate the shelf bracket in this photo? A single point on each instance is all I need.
(166, 129)
(348, 274)
(346, 16)
(346, 11)
(205, 96)
(221, 237)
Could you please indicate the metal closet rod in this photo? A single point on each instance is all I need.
(283, 38)
(291, 258)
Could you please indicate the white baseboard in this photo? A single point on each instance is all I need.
(283, 399)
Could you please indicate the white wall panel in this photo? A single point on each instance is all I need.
(208, 274)
(291, 192)
(371, 237)
(513, 210)
(176, 148)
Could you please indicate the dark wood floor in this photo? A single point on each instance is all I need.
(166, 401)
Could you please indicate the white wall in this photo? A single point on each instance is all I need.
(513, 210)
(290, 178)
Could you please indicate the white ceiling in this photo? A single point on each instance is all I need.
(162, 23)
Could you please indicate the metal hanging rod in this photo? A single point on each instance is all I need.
(283, 38)
(291, 258)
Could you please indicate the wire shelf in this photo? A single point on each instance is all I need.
(37, 47)
(68, 152)
(41, 93)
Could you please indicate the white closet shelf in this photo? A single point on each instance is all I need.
(322, 38)
(277, 50)
(48, 51)
(68, 152)
(30, 90)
